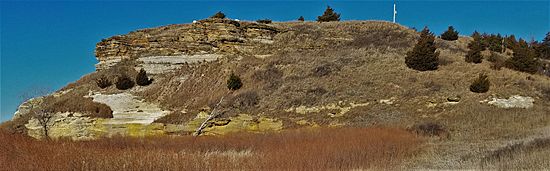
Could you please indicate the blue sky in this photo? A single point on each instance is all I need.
(45, 45)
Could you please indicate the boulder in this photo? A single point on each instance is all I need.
(515, 101)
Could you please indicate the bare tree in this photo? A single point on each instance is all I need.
(36, 109)
(215, 113)
(43, 116)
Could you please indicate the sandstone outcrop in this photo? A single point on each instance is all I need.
(208, 36)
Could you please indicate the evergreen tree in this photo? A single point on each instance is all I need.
(478, 37)
(510, 42)
(234, 82)
(523, 59)
(264, 21)
(474, 54)
(142, 79)
(543, 48)
(481, 84)
(103, 82)
(329, 15)
(493, 42)
(423, 56)
(451, 34)
(219, 14)
(301, 18)
(124, 82)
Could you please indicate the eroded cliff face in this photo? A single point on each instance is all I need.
(186, 42)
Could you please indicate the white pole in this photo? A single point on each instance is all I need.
(394, 11)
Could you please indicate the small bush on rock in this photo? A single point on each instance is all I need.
(219, 14)
(329, 15)
(142, 79)
(264, 21)
(234, 82)
(451, 34)
(124, 82)
(103, 82)
(481, 84)
(301, 18)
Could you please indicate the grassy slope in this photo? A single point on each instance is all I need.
(315, 64)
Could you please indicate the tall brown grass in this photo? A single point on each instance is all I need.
(318, 149)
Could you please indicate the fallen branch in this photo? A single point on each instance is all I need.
(213, 115)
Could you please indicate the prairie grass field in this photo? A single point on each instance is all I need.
(302, 149)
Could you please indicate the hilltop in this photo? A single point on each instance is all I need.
(297, 75)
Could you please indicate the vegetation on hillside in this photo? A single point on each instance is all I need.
(329, 15)
(142, 79)
(423, 56)
(219, 15)
(451, 34)
(481, 84)
(264, 21)
(524, 58)
(124, 82)
(474, 53)
(234, 82)
(103, 82)
(342, 149)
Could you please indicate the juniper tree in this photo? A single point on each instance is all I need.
(423, 56)
(142, 79)
(234, 82)
(329, 15)
(103, 82)
(219, 14)
(124, 82)
(481, 84)
(543, 48)
(523, 59)
(474, 54)
(451, 34)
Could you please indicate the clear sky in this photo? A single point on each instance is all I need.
(49, 44)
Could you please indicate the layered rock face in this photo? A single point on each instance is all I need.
(209, 36)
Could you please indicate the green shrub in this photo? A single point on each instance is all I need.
(329, 15)
(124, 82)
(493, 42)
(423, 56)
(142, 79)
(474, 54)
(481, 84)
(543, 48)
(234, 82)
(451, 34)
(510, 42)
(301, 18)
(219, 14)
(264, 21)
(523, 59)
(103, 82)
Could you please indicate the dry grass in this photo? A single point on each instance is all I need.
(532, 155)
(320, 149)
(74, 102)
